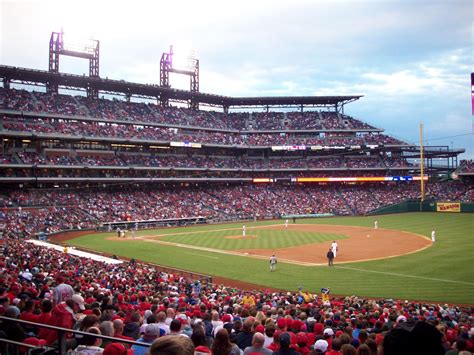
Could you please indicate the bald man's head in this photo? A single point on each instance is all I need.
(258, 340)
(118, 326)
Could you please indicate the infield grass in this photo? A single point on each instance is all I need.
(442, 273)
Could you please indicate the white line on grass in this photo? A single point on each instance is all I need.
(204, 256)
(404, 275)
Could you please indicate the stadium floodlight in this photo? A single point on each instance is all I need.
(69, 45)
(77, 44)
(179, 62)
(182, 59)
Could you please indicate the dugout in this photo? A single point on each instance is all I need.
(155, 223)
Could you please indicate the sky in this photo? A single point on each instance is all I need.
(410, 59)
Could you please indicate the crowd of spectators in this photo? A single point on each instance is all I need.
(115, 109)
(466, 166)
(24, 222)
(110, 158)
(129, 172)
(137, 301)
(165, 134)
(7, 159)
(51, 210)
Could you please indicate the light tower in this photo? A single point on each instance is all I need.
(187, 65)
(88, 50)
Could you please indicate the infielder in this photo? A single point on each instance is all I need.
(273, 262)
(433, 236)
(286, 224)
(376, 225)
(334, 248)
(243, 231)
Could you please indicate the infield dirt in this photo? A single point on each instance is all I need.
(362, 244)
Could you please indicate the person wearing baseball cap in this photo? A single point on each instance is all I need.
(79, 301)
(321, 346)
(64, 315)
(328, 336)
(152, 332)
(302, 343)
(117, 349)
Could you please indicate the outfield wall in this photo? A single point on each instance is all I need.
(426, 206)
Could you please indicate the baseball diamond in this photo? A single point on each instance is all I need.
(395, 261)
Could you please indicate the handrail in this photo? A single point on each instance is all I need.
(62, 332)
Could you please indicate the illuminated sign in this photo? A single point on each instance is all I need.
(185, 144)
(359, 179)
(288, 147)
(259, 180)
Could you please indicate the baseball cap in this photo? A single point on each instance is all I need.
(401, 319)
(281, 323)
(301, 338)
(79, 300)
(329, 332)
(117, 349)
(321, 345)
(152, 330)
(285, 339)
(201, 349)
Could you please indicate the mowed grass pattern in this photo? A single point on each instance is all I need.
(441, 273)
(257, 238)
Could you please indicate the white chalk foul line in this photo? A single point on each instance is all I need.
(229, 252)
(405, 275)
(204, 256)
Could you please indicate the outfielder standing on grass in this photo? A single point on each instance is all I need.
(273, 263)
(243, 231)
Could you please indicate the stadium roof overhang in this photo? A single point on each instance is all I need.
(72, 81)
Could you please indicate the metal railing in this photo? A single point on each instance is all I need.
(61, 343)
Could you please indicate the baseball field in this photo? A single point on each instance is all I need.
(397, 260)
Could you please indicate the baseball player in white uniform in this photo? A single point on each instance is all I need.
(433, 236)
(286, 223)
(334, 248)
(243, 231)
(273, 262)
(376, 225)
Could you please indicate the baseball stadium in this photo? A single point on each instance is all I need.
(140, 196)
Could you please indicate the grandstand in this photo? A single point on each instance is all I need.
(67, 143)
(74, 163)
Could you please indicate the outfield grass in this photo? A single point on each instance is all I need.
(441, 273)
